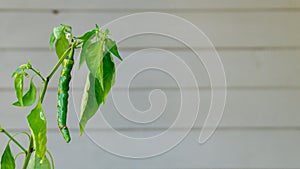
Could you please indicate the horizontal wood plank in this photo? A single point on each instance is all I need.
(258, 42)
(263, 149)
(257, 68)
(155, 4)
(244, 109)
(259, 29)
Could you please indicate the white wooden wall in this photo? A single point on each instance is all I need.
(259, 45)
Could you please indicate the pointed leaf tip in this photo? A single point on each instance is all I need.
(7, 159)
(111, 46)
(91, 100)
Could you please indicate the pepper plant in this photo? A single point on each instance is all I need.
(97, 51)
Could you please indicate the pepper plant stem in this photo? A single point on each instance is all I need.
(61, 59)
(28, 153)
(46, 81)
(44, 89)
(53, 71)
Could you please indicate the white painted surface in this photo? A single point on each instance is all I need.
(228, 29)
(243, 68)
(226, 149)
(258, 42)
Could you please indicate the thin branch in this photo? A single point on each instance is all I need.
(14, 140)
(38, 73)
(53, 71)
(59, 62)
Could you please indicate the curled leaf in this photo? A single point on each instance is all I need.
(21, 69)
(58, 36)
(29, 97)
(19, 78)
(58, 30)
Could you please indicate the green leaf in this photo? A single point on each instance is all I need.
(106, 32)
(19, 83)
(94, 57)
(100, 74)
(51, 41)
(87, 37)
(25, 66)
(91, 100)
(29, 97)
(93, 94)
(8, 160)
(59, 35)
(61, 45)
(108, 74)
(1, 129)
(111, 46)
(39, 163)
(67, 28)
(38, 126)
(58, 30)
(97, 27)
(17, 71)
(21, 69)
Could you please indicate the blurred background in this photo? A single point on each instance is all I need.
(259, 45)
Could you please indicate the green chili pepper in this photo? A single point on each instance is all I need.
(63, 95)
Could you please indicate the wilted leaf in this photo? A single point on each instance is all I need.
(29, 97)
(58, 37)
(19, 84)
(58, 30)
(21, 69)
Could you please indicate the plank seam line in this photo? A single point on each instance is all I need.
(129, 129)
(224, 48)
(149, 88)
(133, 10)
